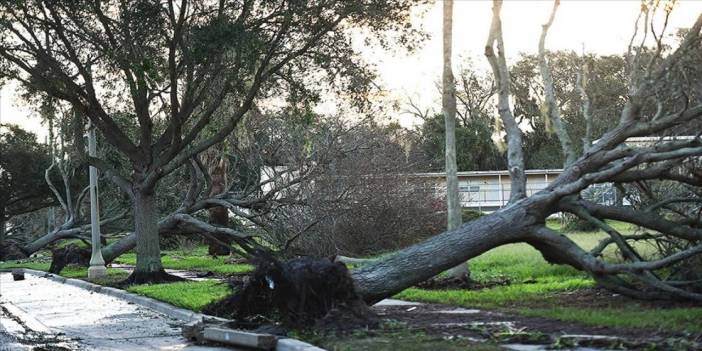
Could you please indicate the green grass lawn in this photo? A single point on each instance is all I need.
(70, 271)
(195, 260)
(193, 295)
(39, 266)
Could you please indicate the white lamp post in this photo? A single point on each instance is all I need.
(97, 263)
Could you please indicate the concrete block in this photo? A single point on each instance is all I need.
(17, 274)
(240, 338)
(193, 331)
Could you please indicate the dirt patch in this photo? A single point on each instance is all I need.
(497, 327)
(137, 278)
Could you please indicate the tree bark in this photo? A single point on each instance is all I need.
(553, 112)
(219, 215)
(498, 63)
(2, 234)
(119, 247)
(391, 275)
(148, 253)
(448, 101)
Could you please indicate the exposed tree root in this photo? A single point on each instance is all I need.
(149, 278)
(11, 251)
(299, 293)
(70, 254)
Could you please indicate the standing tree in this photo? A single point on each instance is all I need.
(216, 162)
(174, 67)
(22, 186)
(448, 103)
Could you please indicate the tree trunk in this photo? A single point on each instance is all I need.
(448, 100)
(39, 244)
(219, 216)
(391, 275)
(119, 247)
(2, 235)
(148, 253)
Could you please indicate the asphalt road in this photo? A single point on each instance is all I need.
(69, 318)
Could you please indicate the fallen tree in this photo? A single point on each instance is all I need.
(660, 103)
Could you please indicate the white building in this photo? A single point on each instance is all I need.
(490, 190)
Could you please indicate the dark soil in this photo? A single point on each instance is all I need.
(501, 328)
(137, 278)
(299, 293)
(69, 254)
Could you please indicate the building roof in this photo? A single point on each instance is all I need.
(487, 173)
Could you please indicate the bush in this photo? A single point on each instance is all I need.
(362, 201)
(373, 219)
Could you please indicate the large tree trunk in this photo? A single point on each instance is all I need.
(384, 278)
(448, 101)
(148, 252)
(2, 234)
(119, 247)
(219, 216)
(40, 243)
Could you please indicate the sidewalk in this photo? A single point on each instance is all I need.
(93, 321)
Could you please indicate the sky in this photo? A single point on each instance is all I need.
(601, 27)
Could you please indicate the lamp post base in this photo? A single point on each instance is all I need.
(97, 271)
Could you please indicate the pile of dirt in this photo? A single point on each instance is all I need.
(299, 293)
(69, 254)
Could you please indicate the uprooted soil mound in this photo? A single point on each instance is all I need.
(299, 293)
(69, 254)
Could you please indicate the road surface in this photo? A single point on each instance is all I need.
(39, 312)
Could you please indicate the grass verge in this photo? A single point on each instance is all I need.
(195, 261)
(680, 320)
(192, 295)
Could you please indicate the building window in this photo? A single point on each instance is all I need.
(470, 188)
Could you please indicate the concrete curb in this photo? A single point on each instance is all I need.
(285, 344)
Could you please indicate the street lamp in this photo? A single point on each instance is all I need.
(97, 263)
